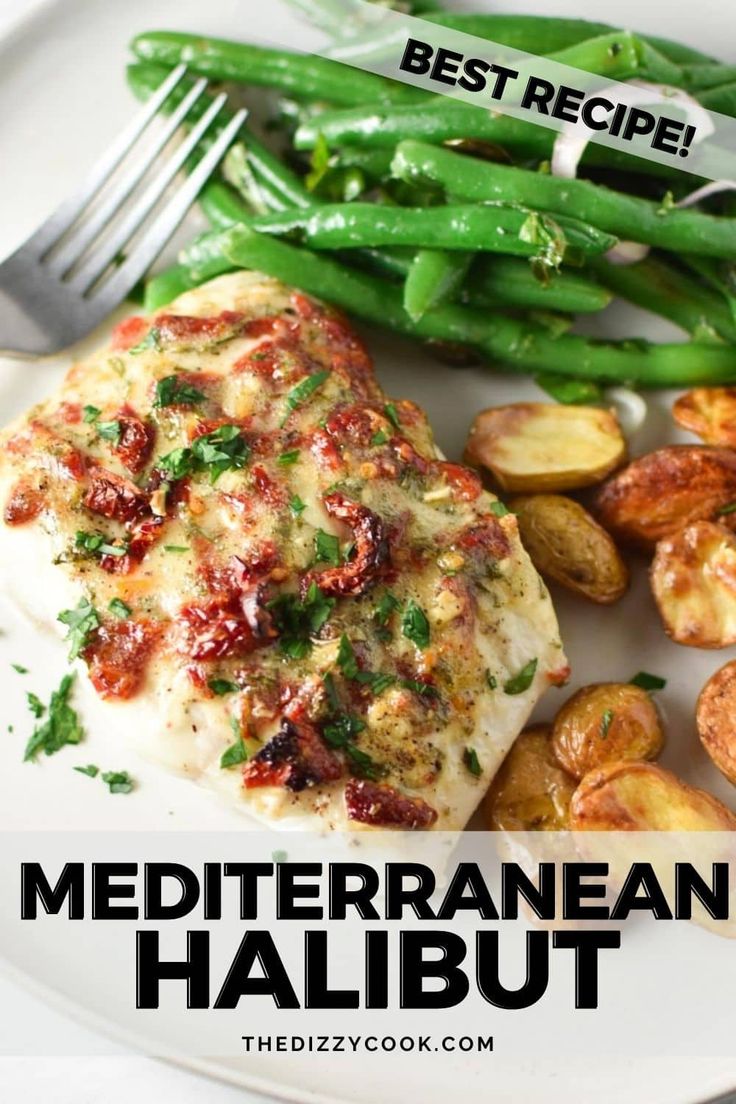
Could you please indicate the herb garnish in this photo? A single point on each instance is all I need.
(222, 686)
(392, 414)
(91, 414)
(298, 621)
(237, 753)
(119, 609)
(81, 623)
(414, 624)
(472, 762)
(176, 548)
(221, 450)
(21, 670)
(90, 770)
(498, 509)
(97, 544)
(379, 438)
(645, 681)
(491, 680)
(730, 508)
(61, 726)
(118, 781)
(327, 548)
(152, 340)
(110, 431)
(296, 505)
(35, 705)
(521, 682)
(303, 391)
(286, 459)
(340, 733)
(606, 718)
(175, 391)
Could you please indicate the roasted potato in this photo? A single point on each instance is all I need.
(642, 797)
(566, 544)
(532, 447)
(693, 578)
(710, 412)
(716, 719)
(604, 723)
(531, 790)
(660, 493)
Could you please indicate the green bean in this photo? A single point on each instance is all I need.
(475, 228)
(701, 77)
(510, 281)
(541, 34)
(626, 216)
(619, 56)
(507, 342)
(722, 98)
(433, 278)
(165, 286)
(304, 76)
(668, 291)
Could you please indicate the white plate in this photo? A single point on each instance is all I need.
(62, 95)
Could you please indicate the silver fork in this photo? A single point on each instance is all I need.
(52, 290)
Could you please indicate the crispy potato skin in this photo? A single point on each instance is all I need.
(709, 412)
(642, 797)
(567, 545)
(604, 723)
(660, 493)
(531, 790)
(693, 577)
(716, 719)
(530, 447)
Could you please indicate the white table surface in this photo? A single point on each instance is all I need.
(100, 1072)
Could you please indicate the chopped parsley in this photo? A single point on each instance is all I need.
(91, 414)
(491, 680)
(392, 414)
(298, 621)
(379, 438)
(422, 688)
(279, 856)
(234, 755)
(81, 623)
(110, 431)
(152, 340)
(222, 686)
(21, 670)
(340, 734)
(304, 391)
(730, 508)
(61, 726)
(119, 782)
(521, 682)
(221, 450)
(472, 762)
(296, 505)
(414, 624)
(97, 544)
(606, 719)
(499, 509)
(645, 681)
(327, 548)
(35, 705)
(90, 770)
(346, 660)
(175, 391)
(119, 609)
(387, 605)
(176, 548)
(286, 459)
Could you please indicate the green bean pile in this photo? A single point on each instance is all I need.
(443, 222)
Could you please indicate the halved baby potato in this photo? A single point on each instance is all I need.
(710, 412)
(531, 791)
(604, 723)
(660, 493)
(532, 447)
(716, 719)
(693, 579)
(567, 545)
(642, 797)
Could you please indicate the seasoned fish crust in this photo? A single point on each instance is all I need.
(285, 591)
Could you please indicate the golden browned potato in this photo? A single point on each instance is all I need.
(566, 544)
(642, 797)
(710, 412)
(716, 719)
(531, 790)
(545, 446)
(693, 580)
(658, 494)
(604, 723)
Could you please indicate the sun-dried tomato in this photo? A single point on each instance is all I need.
(128, 333)
(269, 490)
(135, 443)
(182, 331)
(25, 503)
(371, 555)
(487, 537)
(295, 758)
(385, 807)
(324, 451)
(217, 629)
(113, 496)
(70, 413)
(462, 480)
(118, 656)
